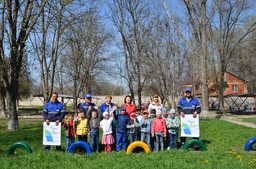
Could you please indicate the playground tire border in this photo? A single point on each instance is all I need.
(135, 144)
(82, 144)
(192, 142)
(22, 145)
(249, 143)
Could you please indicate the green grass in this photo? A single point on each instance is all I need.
(225, 142)
(250, 120)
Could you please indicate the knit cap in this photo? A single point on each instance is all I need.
(172, 111)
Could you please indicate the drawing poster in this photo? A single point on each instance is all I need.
(189, 126)
(51, 134)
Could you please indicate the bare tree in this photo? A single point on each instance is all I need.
(17, 21)
(85, 55)
(229, 29)
(165, 61)
(47, 43)
(196, 13)
(131, 19)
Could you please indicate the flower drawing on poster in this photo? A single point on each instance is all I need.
(51, 134)
(190, 126)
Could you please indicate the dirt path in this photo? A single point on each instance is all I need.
(235, 119)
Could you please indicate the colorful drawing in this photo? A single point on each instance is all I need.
(51, 134)
(48, 135)
(189, 126)
(186, 129)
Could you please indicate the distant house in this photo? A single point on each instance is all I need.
(233, 85)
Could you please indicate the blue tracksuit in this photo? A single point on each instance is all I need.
(53, 111)
(121, 141)
(189, 106)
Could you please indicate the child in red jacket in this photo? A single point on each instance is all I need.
(70, 134)
(159, 130)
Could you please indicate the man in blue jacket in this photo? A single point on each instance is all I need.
(122, 121)
(87, 106)
(188, 105)
(53, 112)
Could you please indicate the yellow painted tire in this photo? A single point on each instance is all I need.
(135, 144)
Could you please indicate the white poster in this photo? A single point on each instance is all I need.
(189, 126)
(52, 134)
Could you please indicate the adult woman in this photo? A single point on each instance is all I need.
(128, 105)
(155, 104)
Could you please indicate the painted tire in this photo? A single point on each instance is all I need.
(22, 145)
(82, 144)
(249, 143)
(193, 142)
(137, 144)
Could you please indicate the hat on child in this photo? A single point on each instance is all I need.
(172, 111)
(132, 114)
(164, 110)
(122, 109)
(153, 111)
(145, 112)
(105, 113)
(158, 112)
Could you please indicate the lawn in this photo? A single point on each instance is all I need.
(225, 142)
(250, 120)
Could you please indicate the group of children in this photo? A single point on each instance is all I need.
(156, 128)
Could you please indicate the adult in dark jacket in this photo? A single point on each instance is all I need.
(111, 108)
(188, 105)
(87, 106)
(53, 112)
(122, 121)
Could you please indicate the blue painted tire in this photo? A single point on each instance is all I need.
(249, 143)
(82, 144)
(21, 145)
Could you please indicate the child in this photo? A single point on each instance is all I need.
(139, 114)
(132, 127)
(94, 124)
(70, 134)
(159, 130)
(165, 117)
(152, 117)
(145, 128)
(173, 124)
(81, 126)
(106, 126)
(152, 114)
(122, 121)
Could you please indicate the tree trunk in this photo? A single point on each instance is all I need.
(203, 69)
(2, 106)
(221, 87)
(13, 124)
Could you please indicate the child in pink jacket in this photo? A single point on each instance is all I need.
(159, 130)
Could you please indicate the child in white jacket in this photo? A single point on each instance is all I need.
(107, 137)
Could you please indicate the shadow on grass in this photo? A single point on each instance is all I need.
(206, 142)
